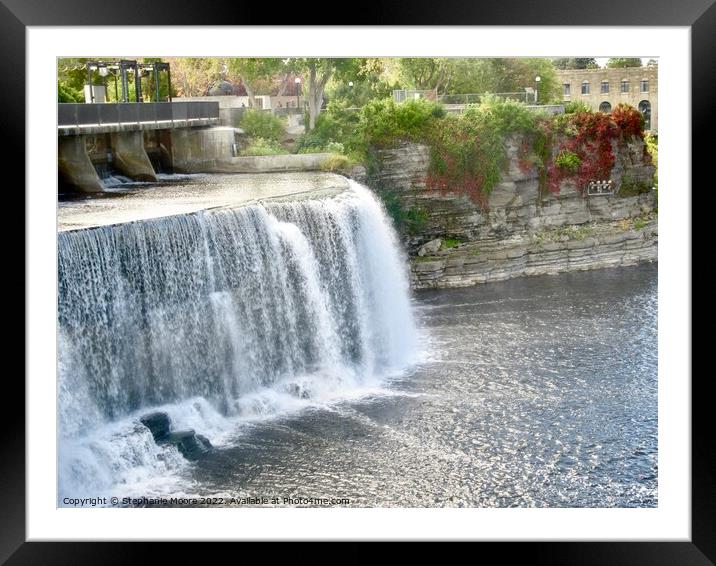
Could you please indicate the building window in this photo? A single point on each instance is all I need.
(644, 85)
(645, 109)
(625, 85)
(605, 87)
(565, 90)
(585, 87)
(605, 107)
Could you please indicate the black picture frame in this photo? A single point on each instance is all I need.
(699, 15)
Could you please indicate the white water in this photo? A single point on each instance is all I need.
(219, 317)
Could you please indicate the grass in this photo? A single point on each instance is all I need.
(636, 223)
(337, 163)
(450, 243)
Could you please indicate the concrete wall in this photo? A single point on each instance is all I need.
(272, 163)
(198, 150)
(209, 150)
(614, 77)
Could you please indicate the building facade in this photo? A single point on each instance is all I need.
(603, 89)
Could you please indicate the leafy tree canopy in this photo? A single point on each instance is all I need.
(575, 63)
(622, 62)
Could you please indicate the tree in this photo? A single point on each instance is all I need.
(318, 73)
(193, 76)
(251, 72)
(479, 76)
(425, 73)
(652, 63)
(575, 63)
(72, 76)
(368, 83)
(622, 62)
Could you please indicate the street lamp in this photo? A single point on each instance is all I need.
(297, 80)
(537, 80)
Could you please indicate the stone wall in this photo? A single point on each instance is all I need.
(521, 232)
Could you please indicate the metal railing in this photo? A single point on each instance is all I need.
(595, 188)
(76, 115)
(474, 98)
(403, 95)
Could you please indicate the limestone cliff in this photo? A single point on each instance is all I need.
(523, 230)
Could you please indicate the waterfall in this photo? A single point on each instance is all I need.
(220, 314)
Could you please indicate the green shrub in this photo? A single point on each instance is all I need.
(468, 150)
(450, 243)
(383, 123)
(330, 147)
(576, 107)
(631, 187)
(416, 218)
(67, 94)
(337, 125)
(506, 116)
(569, 161)
(263, 146)
(393, 206)
(258, 124)
(640, 223)
(411, 219)
(652, 146)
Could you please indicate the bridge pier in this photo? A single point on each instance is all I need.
(75, 165)
(130, 156)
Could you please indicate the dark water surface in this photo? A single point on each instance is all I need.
(539, 391)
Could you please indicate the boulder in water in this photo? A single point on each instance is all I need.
(158, 424)
(191, 445)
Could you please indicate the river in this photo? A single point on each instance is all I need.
(536, 392)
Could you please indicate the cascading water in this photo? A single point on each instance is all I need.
(219, 315)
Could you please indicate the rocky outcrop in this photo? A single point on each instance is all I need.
(521, 231)
(158, 424)
(403, 168)
(540, 253)
(191, 445)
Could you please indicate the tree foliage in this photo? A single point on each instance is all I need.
(259, 124)
(492, 75)
(251, 72)
(194, 76)
(575, 63)
(623, 62)
(317, 73)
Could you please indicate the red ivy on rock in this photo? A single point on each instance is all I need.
(591, 136)
(629, 120)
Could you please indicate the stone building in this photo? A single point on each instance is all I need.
(603, 89)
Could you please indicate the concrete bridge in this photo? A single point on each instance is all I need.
(76, 119)
(134, 137)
